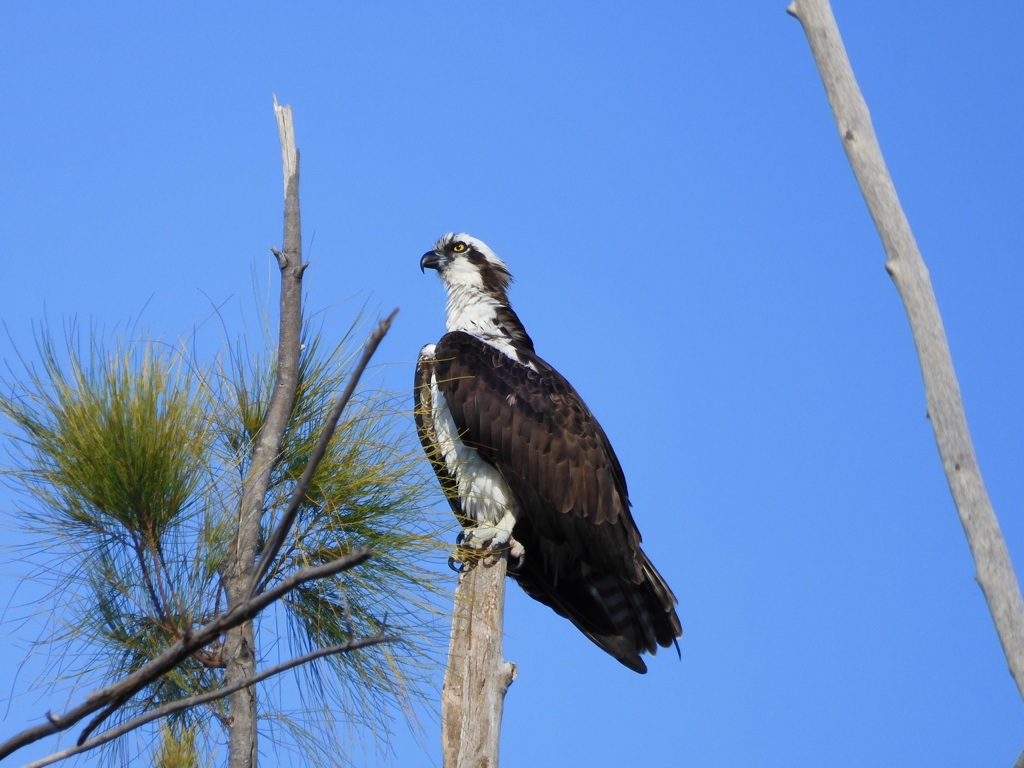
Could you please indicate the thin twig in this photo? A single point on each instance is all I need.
(158, 603)
(175, 654)
(205, 698)
(244, 612)
(276, 539)
(162, 576)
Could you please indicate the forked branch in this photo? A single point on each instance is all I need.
(280, 533)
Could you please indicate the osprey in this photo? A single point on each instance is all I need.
(526, 467)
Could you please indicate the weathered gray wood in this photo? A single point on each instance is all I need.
(240, 644)
(906, 267)
(477, 676)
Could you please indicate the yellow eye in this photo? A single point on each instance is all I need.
(458, 247)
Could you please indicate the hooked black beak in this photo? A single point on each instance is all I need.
(430, 260)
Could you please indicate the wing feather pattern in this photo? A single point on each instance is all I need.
(583, 556)
(423, 412)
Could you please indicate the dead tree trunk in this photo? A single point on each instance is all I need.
(239, 644)
(904, 264)
(477, 675)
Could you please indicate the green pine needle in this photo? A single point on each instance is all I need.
(131, 460)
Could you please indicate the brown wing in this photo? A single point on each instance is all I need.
(423, 412)
(534, 428)
(583, 555)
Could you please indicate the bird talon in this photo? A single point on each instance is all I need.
(516, 558)
(455, 560)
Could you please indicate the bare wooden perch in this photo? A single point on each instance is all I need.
(289, 154)
(906, 267)
(477, 675)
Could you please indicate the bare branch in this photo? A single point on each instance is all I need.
(240, 643)
(906, 267)
(128, 686)
(205, 698)
(280, 533)
(286, 132)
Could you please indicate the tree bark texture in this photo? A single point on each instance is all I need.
(240, 644)
(904, 264)
(477, 676)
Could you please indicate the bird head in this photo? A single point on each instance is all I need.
(465, 263)
(477, 282)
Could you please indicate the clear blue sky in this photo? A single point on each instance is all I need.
(666, 183)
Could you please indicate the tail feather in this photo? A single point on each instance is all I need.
(622, 617)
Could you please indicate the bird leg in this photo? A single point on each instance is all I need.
(481, 540)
